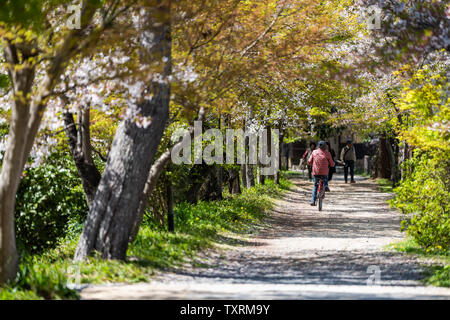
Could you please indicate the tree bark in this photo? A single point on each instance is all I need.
(233, 181)
(81, 150)
(244, 175)
(384, 161)
(9, 182)
(114, 210)
(250, 176)
(280, 145)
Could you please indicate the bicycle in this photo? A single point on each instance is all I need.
(320, 193)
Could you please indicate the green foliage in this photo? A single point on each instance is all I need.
(45, 281)
(424, 195)
(424, 99)
(48, 198)
(439, 276)
(385, 185)
(26, 12)
(4, 81)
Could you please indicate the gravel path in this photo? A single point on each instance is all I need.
(302, 254)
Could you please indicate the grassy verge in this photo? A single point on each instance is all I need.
(438, 272)
(200, 226)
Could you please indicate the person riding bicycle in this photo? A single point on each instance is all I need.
(320, 161)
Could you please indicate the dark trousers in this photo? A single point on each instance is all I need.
(349, 164)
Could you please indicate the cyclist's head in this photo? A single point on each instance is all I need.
(349, 141)
(322, 145)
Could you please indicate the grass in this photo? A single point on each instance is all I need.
(385, 185)
(438, 273)
(198, 227)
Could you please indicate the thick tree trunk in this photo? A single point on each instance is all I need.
(9, 182)
(384, 161)
(393, 155)
(13, 163)
(81, 149)
(114, 210)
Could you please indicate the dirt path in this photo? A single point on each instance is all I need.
(304, 254)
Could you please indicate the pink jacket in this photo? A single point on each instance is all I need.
(320, 161)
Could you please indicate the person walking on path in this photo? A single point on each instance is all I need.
(320, 161)
(306, 156)
(348, 157)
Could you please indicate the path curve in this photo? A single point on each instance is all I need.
(302, 254)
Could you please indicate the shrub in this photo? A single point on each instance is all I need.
(48, 197)
(424, 196)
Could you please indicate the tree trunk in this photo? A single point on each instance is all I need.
(269, 151)
(384, 161)
(114, 210)
(250, 176)
(261, 177)
(392, 162)
(233, 181)
(81, 150)
(9, 182)
(280, 148)
(13, 162)
(244, 175)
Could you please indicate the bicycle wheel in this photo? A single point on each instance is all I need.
(320, 202)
